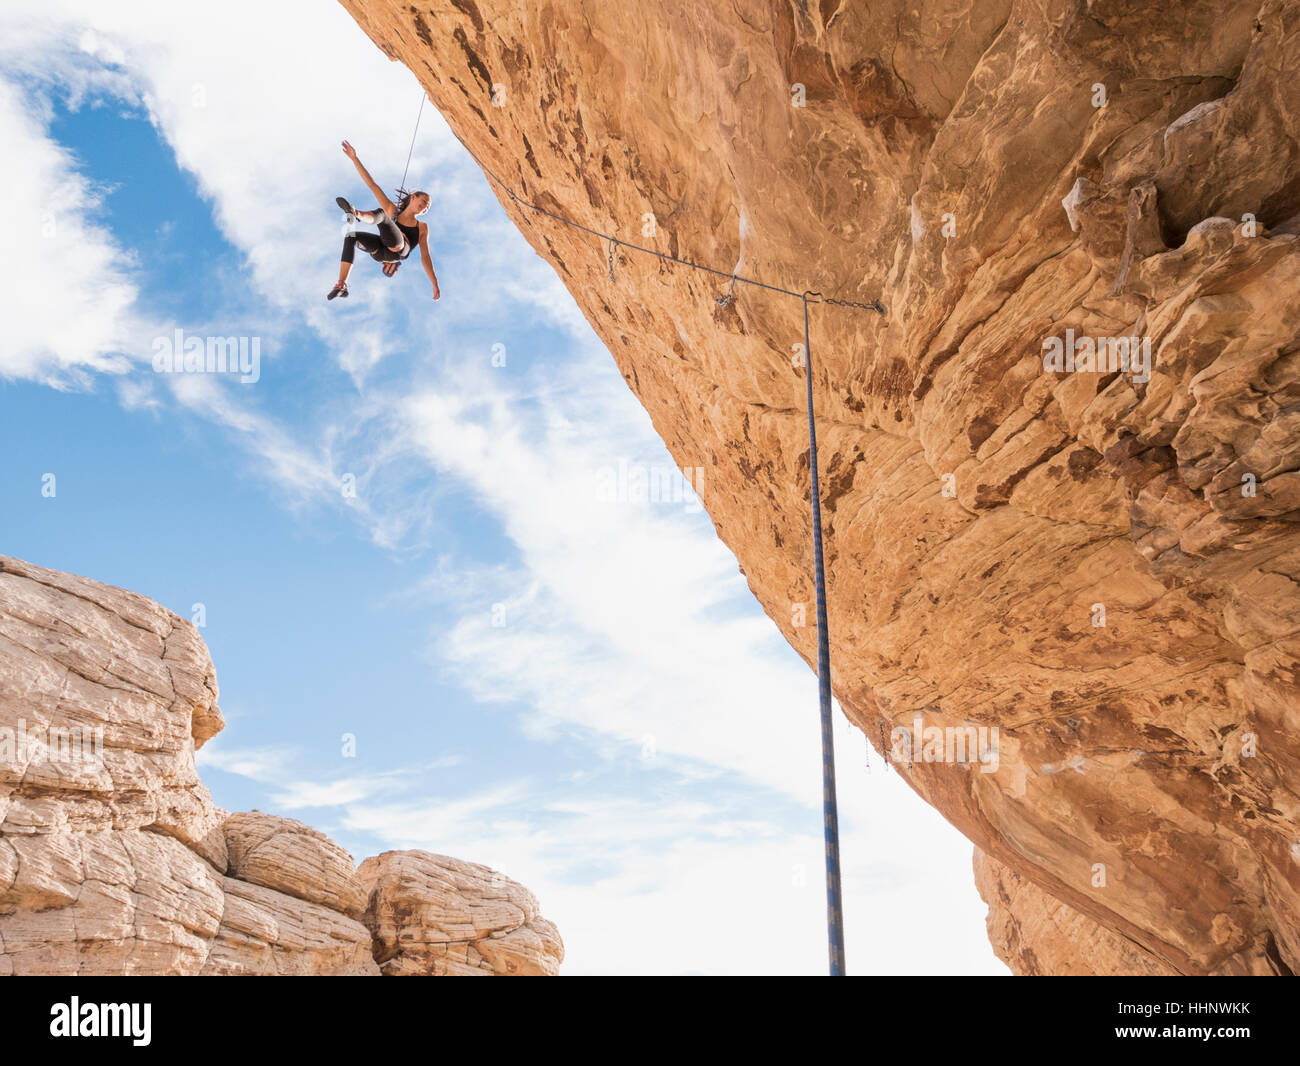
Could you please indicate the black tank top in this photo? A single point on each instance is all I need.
(412, 234)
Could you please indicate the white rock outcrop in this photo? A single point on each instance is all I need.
(115, 860)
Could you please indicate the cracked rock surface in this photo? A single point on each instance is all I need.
(113, 857)
(434, 914)
(998, 174)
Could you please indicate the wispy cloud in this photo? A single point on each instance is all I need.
(58, 260)
(615, 621)
(684, 879)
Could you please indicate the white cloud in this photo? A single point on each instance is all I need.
(66, 284)
(264, 764)
(658, 886)
(677, 879)
(625, 618)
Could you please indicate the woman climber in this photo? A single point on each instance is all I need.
(399, 230)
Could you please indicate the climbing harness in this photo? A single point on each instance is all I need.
(830, 814)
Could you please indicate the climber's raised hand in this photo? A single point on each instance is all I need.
(349, 151)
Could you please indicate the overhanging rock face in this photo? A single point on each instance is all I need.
(1103, 565)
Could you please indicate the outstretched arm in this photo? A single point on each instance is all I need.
(383, 201)
(427, 259)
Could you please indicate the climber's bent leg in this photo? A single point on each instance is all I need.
(368, 243)
(388, 231)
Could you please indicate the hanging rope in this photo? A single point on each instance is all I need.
(402, 188)
(830, 810)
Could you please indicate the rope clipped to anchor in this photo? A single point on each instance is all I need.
(725, 299)
(872, 305)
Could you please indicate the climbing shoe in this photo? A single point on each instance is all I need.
(341, 289)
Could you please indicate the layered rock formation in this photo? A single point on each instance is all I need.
(114, 859)
(432, 914)
(1102, 565)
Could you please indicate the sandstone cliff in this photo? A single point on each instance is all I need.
(114, 860)
(1103, 565)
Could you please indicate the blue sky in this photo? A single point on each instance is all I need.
(578, 691)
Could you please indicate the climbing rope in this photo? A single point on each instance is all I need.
(830, 814)
(406, 169)
(873, 305)
(834, 904)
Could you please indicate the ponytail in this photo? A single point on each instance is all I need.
(405, 196)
